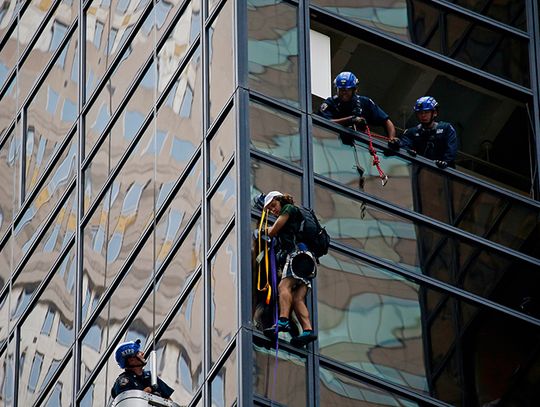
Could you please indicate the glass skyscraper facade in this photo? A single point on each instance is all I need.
(134, 135)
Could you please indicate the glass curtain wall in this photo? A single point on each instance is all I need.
(425, 271)
(118, 197)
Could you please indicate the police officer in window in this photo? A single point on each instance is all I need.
(352, 110)
(130, 358)
(431, 139)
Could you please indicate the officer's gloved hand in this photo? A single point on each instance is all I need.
(347, 139)
(411, 152)
(359, 123)
(441, 164)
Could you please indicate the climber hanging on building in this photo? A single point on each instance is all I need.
(301, 241)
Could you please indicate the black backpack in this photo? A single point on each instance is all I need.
(312, 233)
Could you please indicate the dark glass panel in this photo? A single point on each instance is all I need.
(222, 205)
(511, 12)
(275, 132)
(223, 386)
(222, 146)
(280, 378)
(224, 320)
(423, 249)
(420, 22)
(7, 375)
(380, 323)
(338, 390)
(273, 49)
(220, 60)
(266, 178)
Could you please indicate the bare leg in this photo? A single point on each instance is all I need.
(285, 296)
(299, 306)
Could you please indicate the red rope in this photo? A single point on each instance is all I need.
(376, 160)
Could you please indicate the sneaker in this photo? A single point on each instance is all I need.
(303, 339)
(282, 326)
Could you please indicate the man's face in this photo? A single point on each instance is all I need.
(426, 117)
(137, 359)
(345, 95)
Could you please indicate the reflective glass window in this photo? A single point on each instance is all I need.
(340, 390)
(224, 308)
(116, 228)
(222, 146)
(285, 383)
(7, 185)
(179, 136)
(62, 391)
(8, 108)
(273, 49)
(220, 59)
(446, 32)
(43, 257)
(49, 116)
(223, 386)
(275, 132)
(423, 249)
(222, 205)
(383, 324)
(266, 178)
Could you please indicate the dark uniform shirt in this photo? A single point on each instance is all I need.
(437, 143)
(130, 381)
(359, 106)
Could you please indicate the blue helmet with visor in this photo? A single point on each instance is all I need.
(346, 80)
(126, 350)
(426, 104)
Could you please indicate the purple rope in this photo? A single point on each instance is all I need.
(273, 273)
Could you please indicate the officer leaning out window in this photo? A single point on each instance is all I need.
(349, 109)
(130, 358)
(436, 140)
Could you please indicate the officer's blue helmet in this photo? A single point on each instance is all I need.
(426, 104)
(126, 350)
(346, 80)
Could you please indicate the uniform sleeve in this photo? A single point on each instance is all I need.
(326, 110)
(121, 385)
(451, 145)
(164, 390)
(406, 140)
(375, 115)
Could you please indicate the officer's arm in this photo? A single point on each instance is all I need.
(390, 129)
(451, 146)
(278, 225)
